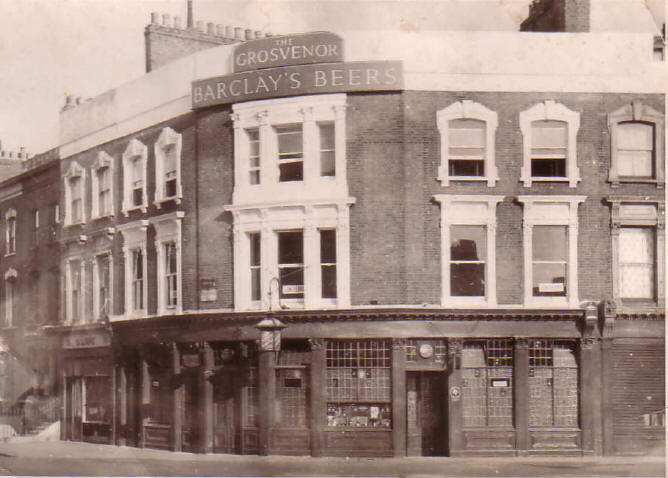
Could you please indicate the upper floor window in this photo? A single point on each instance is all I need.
(467, 132)
(74, 282)
(550, 250)
(168, 247)
(75, 179)
(300, 261)
(290, 152)
(35, 227)
(134, 177)
(550, 138)
(10, 232)
(134, 254)
(10, 299)
(289, 141)
(168, 167)
(102, 179)
(638, 261)
(102, 277)
(636, 137)
(468, 242)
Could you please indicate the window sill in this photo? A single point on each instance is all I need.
(615, 182)
(466, 178)
(548, 302)
(74, 224)
(457, 302)
(143, 208)
(10, 254)
(159, 202)
(103, 216)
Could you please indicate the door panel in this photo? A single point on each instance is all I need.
(425, 413)
(223, 414)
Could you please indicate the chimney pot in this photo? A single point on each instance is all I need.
(210, 28)
(258, 34)
(220, 30)
(155, 18)
(238, 33)
(165, 19)
(229, 31)
(249, 34)
(177, 23)
(199, 25)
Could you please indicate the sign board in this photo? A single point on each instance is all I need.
(84, 340)
(551, 287)
(298, 80)
(207, 290)
(304, 49)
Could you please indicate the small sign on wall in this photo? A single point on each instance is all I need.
(207, 290)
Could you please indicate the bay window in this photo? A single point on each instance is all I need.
(327, 149)
(290, 152)
(291, 264)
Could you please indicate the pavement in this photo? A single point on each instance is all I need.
(37, 457)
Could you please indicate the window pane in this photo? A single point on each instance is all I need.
(468, 243)
(466, 167)
(327, 163)
(170, 158)
(289, 141)
(550, 243)
(255, 262)
(291, 171)
(637, 262)
(328, 245)
(548, 134)
(466, 133)
(467, 279)
(550, 168)
(635, 163)
(291, 247)
(326, 136)
(255, 248)
(635, 135)
(549, 279)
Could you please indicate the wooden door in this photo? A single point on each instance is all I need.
(425, 400)
(223, 414)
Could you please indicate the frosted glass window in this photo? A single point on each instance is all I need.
(635, 149)
(636, 262)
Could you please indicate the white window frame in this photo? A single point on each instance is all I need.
(69, 305)
(168, 229)
(96, 285)
(168, 137)
(10, 232)
(550, 110)
(135, 237)
(636, 111)
(551, 211)
(136, 151)
(103, 160)
(467, 109)
(268, 221)
(10, 296)
(73, 171)
(632, 211)
(468, 210)
(266, 115)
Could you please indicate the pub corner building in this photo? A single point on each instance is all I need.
(368, 244)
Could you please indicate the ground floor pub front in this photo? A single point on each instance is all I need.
(354, 389)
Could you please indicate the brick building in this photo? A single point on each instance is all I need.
(271, 247)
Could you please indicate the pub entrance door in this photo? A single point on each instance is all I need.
(223, 413)
(425, 400)
(73, 408)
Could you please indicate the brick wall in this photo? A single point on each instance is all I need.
(558, 16)
(393, 157)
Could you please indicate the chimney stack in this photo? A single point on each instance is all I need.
(189, 19)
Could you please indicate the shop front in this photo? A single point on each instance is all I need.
(87, 387)
(442, 393)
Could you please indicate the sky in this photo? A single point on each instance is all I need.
(51, 48)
